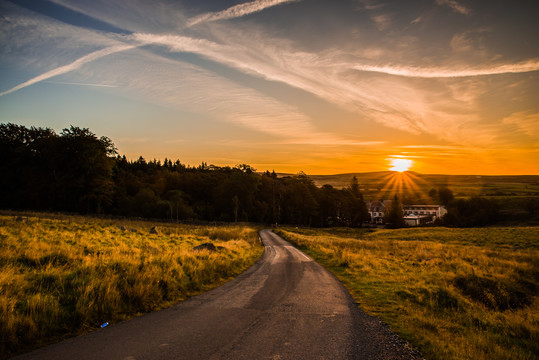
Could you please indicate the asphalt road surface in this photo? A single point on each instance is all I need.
(284, 307)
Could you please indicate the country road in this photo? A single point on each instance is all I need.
(284, 307)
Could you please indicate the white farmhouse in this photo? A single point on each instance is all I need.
(376, 210)
(414, 215)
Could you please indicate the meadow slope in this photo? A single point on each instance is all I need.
(62, 276)
(452, 293)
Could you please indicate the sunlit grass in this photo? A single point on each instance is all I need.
(68, 275)
(453, 293)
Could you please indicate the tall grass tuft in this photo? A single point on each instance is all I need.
(453, 293)
(62, 276)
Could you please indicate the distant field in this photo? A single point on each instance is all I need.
(62, 276)
(453, 293)
(383, 184)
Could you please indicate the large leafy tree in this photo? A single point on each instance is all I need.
(43, 170)
(298, 203)
(83, 166)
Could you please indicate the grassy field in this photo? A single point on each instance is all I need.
(63, 276)
(452, 293)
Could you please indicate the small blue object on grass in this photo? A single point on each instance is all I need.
(104, 325)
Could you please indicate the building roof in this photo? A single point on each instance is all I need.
(414, 216)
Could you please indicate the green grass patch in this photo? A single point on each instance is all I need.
(62, 276)
(452, 293)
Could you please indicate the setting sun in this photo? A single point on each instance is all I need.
(400, 165)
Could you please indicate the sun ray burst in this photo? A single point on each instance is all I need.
(400, 164)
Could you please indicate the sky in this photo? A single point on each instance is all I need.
(320, 86)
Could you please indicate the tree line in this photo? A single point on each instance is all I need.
(76, 171)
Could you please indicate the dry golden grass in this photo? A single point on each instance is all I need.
(453, 293)
(62, 276)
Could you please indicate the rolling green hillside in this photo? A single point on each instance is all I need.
(383, 184)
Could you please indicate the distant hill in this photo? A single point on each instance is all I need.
(383, 184)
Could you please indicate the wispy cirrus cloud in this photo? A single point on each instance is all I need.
(179, 43)
(237, 11)
(371, 4)
(397, 102)
(230, 103)
(39, 41)
(70, 67)
(455, 5)
(382, 21)
(130, 15)
(394, 103)
(80, 84)
(525, 121)
(188, 87)
(274, 61)
(441, 72)
(324, 77)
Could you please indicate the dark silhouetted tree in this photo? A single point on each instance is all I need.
(394, 216)
(41, 170)
(476, 211)
(83, 165)
(445, 195)
(357, 207)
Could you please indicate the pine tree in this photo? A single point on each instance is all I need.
(394, 216)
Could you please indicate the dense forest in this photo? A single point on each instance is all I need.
(76, 171)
